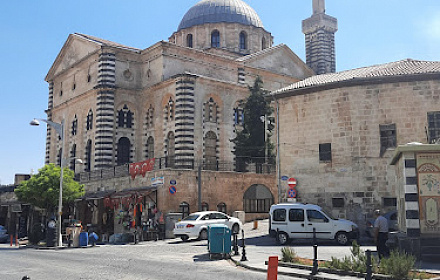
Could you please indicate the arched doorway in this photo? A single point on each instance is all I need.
(123, 151)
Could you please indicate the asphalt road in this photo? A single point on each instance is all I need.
(171, 259)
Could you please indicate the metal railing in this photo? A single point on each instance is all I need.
(249, 165)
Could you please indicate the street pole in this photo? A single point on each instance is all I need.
(278, 147)
(59, 128)
(60, 199)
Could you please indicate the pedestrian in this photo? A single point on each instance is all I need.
(381, 234)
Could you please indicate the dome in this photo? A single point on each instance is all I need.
(215, 11)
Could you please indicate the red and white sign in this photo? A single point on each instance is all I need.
(291, 182)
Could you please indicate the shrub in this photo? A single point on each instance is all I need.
(289, 255)
(357, 262)
(398, 265)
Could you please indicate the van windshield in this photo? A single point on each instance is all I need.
(329, 215)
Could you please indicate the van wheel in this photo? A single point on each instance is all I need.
(283, 238)
(342, 238)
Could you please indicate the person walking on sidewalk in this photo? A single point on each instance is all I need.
(381, 234)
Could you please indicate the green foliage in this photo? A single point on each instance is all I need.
(42, 189)
(288, 254)
(249, 142)
(398, 265)
(357, 262)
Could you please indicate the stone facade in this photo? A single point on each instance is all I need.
(348, 117)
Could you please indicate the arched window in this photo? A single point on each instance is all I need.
(263, 43)
(72, 157)
(88, 159)
(184, 209)
(89, 120)
(170, 150)
(243, 40)
(205, 206)
(238, 116)
(215, 39)
(123, 155)
(257, 199)
(210, 157)
(150, 147)
(221, 207)
(125, 118)
(189, 40)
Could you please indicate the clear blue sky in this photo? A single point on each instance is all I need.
(33, 32)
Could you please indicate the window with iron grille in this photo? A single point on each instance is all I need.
(388, 137)
(215, 39)
(325, 152)
(433, 127)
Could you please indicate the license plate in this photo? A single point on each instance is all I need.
(180, 226)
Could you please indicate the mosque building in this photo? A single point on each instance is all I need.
(154, 126)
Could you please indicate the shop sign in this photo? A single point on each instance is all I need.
(157, 181)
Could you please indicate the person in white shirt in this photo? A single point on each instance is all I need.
(381, 234)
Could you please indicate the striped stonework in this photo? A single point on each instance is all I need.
(412, 215)
(49, 117)
(241, 76)
(184, 120)
(105, 111)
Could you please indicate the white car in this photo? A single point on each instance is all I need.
(196, 224)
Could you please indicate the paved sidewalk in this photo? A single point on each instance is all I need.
(259, 247)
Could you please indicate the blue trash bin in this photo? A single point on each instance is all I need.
(219, 240)
(83, 239)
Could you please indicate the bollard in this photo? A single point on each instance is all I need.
(11, 239)
(255, 224)
(369, 266)
(315, 260)
(243, 254)
(314, 237)
(235, 244)
(272, 269)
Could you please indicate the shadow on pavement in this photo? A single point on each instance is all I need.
(269, 241)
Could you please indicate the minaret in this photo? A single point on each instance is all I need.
(319, 30)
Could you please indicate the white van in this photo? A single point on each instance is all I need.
(295, 220)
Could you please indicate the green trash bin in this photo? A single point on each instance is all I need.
(219, 241)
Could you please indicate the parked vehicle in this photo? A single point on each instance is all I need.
(289, 221)
(391, 217)
(3, 234)
(196, 224)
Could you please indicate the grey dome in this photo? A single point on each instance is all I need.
(214, 11)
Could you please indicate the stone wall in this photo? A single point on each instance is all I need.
(358, 177)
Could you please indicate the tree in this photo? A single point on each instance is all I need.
(42, 189)
(250, 141)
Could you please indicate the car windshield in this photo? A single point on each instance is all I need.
(191, 218)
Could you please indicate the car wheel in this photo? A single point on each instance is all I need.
(282, 238)
(235, 228)
(184, 238)
(203, 235)
(342, 238)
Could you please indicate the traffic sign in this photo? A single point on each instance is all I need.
(291, 182)
(173, 189)
(173, 182)
(284, 178)
(291, 193)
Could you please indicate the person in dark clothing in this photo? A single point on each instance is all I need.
(381, 234)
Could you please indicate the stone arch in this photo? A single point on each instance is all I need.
(123, 151)
(257, 199)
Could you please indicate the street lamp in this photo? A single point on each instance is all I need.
(59, 128)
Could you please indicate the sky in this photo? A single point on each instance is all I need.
(32, 34)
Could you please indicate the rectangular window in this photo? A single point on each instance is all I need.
(279, 215)
(389, 201)
(388, 137)
(325, 152)
(433, 127)
(296, 215)
(338, 202)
